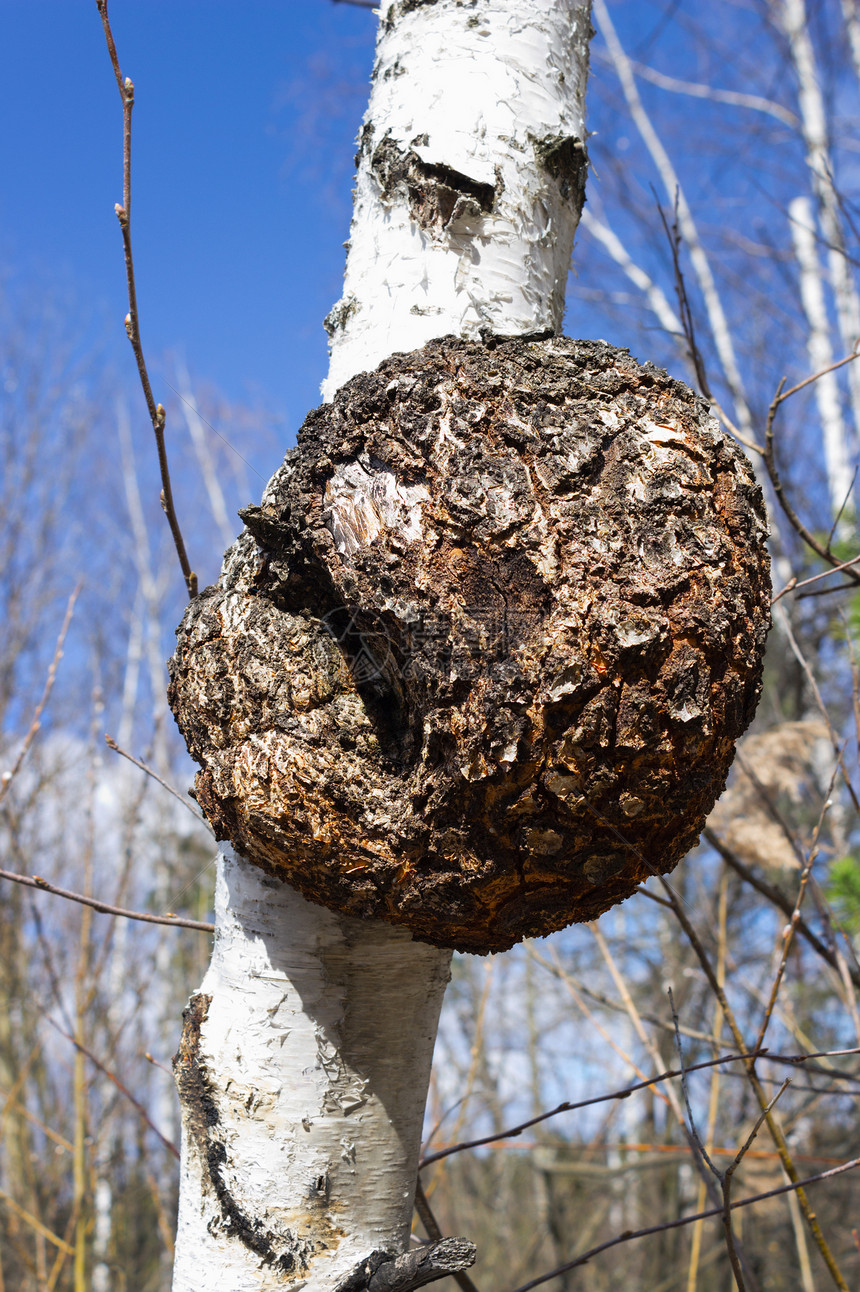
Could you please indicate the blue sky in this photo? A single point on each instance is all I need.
(244, 126)
(244, 121)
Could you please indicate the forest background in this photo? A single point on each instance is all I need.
(725, 158)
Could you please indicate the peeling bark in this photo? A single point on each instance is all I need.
(302, 1106)
(478, 663)
(471, 177)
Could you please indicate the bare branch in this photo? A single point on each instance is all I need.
(727, 1180)
(777, 898)
(428, 1220)
(733, 98)
(123, 1089)
(132, 321)
(8, 777)
(788, 932)
(794, 586)
(624, 1093)
(36, 881)
(630, 1234)
(673, 233)
(144, 767)
(380, 1272)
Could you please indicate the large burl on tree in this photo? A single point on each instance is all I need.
(478, 663)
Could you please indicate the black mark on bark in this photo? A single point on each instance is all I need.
(397, 11)
(202, 1121)
(566, 160)
(437, 194)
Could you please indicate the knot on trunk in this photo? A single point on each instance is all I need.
(478, 663)
(382, 1272)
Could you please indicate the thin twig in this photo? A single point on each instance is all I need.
(775, 1130)
(630, 1234)
(789, 930)
(36, 1224)
(674, 236)
(36, 881)
(845, 501)
(214, 429)
(727, 1179)
(123, 1089)
(769, 457)
(132, 320)
(795, 1060)
(827, 592)
(822, 707)
(8, 777)
(695, 89)
(752, 445)
(150, 1058)
(602, 999)
(694, 1132)
(776, 1133)
(794, 586)
(653, 897)
(144, 767)
(777, 898)
(705, 1163)
(567, 1106)
(671, 1096)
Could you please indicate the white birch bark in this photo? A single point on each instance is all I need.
(102, 1210)
(836, 460)
(491, 100)
(305, 1058)
(851, 14)
(792, 18)
(311, 1044)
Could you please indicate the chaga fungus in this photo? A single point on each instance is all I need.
(478, 663)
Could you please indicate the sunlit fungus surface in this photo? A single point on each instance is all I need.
(478, 663)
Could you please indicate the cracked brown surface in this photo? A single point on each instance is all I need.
(478, 663)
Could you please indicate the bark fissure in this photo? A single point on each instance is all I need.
(564, 157)
(191, 1080)
(235, 1223)
(438, 195)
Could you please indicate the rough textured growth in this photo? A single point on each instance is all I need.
(478, 663)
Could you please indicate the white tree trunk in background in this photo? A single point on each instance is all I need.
(305, 1058)
(851, 14)
(792, 17)
(675, 196)
(655, 296)
(840, 475)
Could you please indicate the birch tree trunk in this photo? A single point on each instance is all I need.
(305, 1056)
